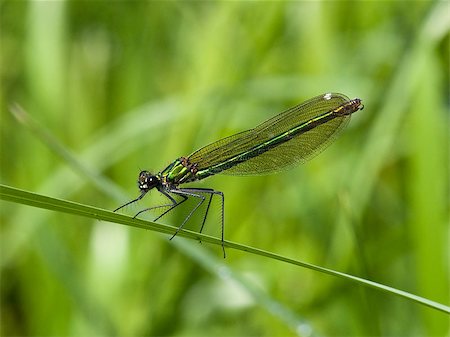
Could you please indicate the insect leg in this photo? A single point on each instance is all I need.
(185, 193)
(211, 193)
(172, 205)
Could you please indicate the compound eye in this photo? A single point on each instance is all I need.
(145, 180)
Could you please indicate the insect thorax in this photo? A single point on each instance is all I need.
(179, 172)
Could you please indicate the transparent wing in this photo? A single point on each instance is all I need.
(299, 149)
(249, 146)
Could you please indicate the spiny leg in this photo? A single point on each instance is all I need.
(211, 192)
(206, 212)
(131, 202)
(223, 223)
(172, 205)
(187, 193)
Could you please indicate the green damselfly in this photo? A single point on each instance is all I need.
(293, 136)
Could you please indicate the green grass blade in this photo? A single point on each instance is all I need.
(36, 200)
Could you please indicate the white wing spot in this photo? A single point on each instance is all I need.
(327, 96)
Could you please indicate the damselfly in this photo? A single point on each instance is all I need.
(293, 136)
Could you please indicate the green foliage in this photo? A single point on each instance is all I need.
(133, 85)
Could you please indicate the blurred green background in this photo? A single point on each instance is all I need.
(126, 86)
